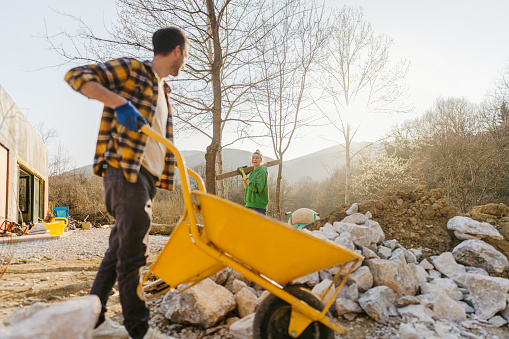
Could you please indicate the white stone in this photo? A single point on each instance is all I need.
(361, 235)
(497, 321)
(407, 331)
(409, 256)
(345, 240)
(71, 319)
(362, 277)
(262, 297)
(391, 244)
(419, 272)
(450, 287)
(310, 280)
(446, 308)
(467, 307)
(384, 252)
(203, 304)
(353, 209)
(243, 329)
(369, 254)
(426, 265)
(350, 292)
(234, 275)
(488, 294)
(464, 236)
(476, 270)
(238, 285)
(247, 302)
(472, 227)
(398, 254)
(447, 265)
(394, 274)
(417, 252)
(434, 274)
(420, 312)
(322, 287)
(477, 253)
(344, 306)
(377, 303)
(221, 277)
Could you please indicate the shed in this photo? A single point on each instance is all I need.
(23, 166)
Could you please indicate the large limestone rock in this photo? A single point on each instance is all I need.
(360, 235)
(203, 304)
(419, 312)
(345, 306)
(247, 302)
(378, 302)
(394, 274)
(447, 265)
(310, 280)
(243, 328)
(350, 292)
(446, 308)
(477, 253)
(465, 228)
(449, 287)
(322, 287)
(72, 319)
(362, 277)
(488, 294)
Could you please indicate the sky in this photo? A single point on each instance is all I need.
(457, 48)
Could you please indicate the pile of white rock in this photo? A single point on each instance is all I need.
(448, 296)
(444, 296)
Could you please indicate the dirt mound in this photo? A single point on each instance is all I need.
(416, 219)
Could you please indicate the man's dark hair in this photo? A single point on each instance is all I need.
(166, 39)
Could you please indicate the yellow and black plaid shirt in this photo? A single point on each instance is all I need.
(116, 145)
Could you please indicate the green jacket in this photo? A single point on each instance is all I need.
(257, 192)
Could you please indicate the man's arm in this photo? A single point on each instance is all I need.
(95, 90)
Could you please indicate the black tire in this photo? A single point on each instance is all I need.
(273, 317)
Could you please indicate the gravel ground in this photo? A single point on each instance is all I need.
(80, 244)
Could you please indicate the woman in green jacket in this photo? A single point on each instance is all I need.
(256, 193)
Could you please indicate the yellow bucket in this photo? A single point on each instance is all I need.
(57, 225)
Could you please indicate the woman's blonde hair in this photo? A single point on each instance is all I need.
(260, 154)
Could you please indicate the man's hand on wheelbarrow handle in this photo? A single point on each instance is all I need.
(128, 116)
(241, 170)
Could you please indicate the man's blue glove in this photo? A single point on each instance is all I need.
(128, 116)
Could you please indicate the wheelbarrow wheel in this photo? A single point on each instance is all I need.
(273, 317)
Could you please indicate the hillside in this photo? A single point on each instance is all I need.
(317, 165)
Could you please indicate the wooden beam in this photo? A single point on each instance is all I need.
(247, 169)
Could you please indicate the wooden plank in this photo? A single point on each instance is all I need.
(247, 169)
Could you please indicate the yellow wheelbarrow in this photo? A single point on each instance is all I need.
(265, 251)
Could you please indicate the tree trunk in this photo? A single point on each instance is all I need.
(215, 145)
(219, 170)
(347, 170)
(278, 189)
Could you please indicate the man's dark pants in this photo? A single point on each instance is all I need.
(131, 206)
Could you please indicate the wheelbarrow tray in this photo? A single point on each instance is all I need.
(268, 247)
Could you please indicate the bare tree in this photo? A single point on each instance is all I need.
(287, 55)
(59, 161)
(451, 148)
(222, 34)
(358, 76)
(47, 134)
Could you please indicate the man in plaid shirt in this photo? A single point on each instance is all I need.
(134, 93)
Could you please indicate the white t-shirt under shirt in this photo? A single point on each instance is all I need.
(155, 152)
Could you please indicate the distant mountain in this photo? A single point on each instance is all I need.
(317, 165)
